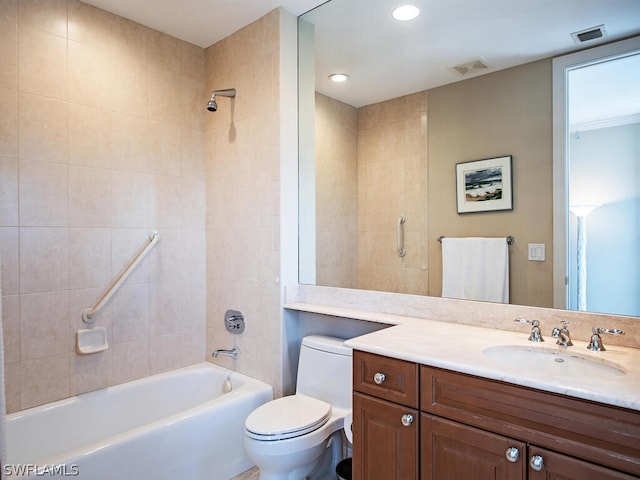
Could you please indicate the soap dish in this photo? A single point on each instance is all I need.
(91, 340)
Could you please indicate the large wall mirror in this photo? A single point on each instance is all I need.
(462, 81)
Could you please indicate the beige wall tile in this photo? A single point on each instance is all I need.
(129, 199)
(44, 194)
(91, 252)
(130, 361)
(165, 95)
(8, 123)
(192, 152)
(193, 112)
(165, 262)
(89, 25)
(126, 243)
(193, 201)
(47, 15)
(9, 44)
(42, 63)
(44, 325)
(44, 265)
(129, 143)
(89, 372)
(89, 197)
(11, 328)
(44, 380)
(164, 148)
(89, 136)
(43, 129)
(193, 62)
(12, 384)
(89, 69)
(194, 244)
(165, 201)
(128, 84)
(10, 251)
(79, 301)
(130, 313)
(164, 51)
(8, 191)
(164, 308)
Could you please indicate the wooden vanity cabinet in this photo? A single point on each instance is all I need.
(463, 426)
(385, 418)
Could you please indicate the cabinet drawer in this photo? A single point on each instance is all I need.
(592, 431)
(388, 378)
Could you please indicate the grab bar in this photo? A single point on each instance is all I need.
(401, 250)
(89, 314)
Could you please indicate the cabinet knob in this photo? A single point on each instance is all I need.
(407, 419)
(512, 454)
(537, 463)
(379, 378)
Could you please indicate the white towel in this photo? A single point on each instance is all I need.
(475, 269)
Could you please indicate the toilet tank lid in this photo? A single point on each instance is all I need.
(327, 344)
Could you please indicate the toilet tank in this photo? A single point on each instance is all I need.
(324, 370)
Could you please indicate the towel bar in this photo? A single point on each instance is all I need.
(510, 239)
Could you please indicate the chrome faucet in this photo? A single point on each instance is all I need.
(596, 340)
(233, 353)
(562, 334)
(536, 335)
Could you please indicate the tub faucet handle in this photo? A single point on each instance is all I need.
(536, 334)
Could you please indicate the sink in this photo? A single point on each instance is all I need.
(551, 361)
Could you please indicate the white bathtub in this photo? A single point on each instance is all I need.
(176, 425)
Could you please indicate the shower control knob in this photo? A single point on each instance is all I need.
(407, 419)
(512, 454)
(378, 378)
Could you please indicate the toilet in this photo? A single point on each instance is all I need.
(300, 436)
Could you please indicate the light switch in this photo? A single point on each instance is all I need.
(536, 252)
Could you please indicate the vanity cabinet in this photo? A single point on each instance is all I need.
(467, 427)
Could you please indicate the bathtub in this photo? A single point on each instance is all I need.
(176, 425)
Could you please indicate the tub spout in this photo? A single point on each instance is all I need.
(233, 353)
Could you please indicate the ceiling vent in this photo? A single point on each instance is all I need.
(474, 66)
(589, 34)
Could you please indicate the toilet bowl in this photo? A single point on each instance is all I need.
(300, 436)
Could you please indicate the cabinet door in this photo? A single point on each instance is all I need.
(451, 451)
(385, 440)
(555, 466)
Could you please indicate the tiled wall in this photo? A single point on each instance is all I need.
(102, 141)
(243, 185)
(336, 192)
(392, 146)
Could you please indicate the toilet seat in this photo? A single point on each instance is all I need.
(287, 417)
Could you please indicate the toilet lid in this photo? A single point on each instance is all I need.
(287, 417)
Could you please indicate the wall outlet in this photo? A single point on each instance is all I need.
(536, 252)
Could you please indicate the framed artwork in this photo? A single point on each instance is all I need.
(484, 185)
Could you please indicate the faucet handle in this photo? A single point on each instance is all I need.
(596, 340)
(536, 335)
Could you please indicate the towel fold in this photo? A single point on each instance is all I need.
(475, 268)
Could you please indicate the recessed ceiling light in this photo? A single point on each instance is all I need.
(339, 77)
(406, 12)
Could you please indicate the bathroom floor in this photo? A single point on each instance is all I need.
(252, 474)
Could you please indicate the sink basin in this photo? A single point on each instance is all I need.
(551, 361)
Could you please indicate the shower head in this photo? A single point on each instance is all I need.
(212, 106)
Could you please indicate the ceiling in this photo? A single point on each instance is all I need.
(200, 22)
(368, 44)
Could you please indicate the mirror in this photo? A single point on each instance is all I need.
(464, 81)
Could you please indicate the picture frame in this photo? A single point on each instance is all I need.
(484, 185)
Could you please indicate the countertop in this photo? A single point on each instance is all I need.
(461, 348)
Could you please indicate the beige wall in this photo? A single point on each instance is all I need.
(336, 192)
(243, 185)
(392, 182)
(503, 113)
(102, 131)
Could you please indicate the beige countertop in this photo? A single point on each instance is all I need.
(613, 376)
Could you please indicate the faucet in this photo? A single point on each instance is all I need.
(562, 334)
(233, 353)
(536, 335)
(596, 341)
